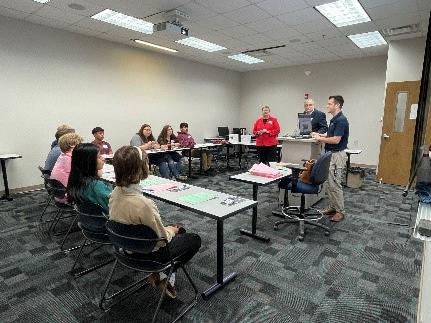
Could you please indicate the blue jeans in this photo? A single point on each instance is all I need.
(173, 166)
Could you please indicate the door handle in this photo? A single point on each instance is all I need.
(386, 136)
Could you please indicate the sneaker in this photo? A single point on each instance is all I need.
(182, 178)
(154, 279)
(170, 290)
(337, 217)
(329, 211)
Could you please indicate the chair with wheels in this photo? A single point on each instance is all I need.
(91, 220)
(133, 245)
(299, 214)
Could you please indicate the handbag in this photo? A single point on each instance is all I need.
(305, 175)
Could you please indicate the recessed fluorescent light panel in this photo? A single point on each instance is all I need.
(121, 20)
(155, 46)
(200, 44)
(344, 12)
(41, 1)
(370, 39)
(246, 59)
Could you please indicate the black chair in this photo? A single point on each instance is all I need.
(44, 174)
(91, 220)
(299, 214)
(129, 243)
(58, 191)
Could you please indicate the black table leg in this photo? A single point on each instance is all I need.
(190, 164)
(6, 195)
(200, 161)
(221, 280)
(254, 221)
(347, 167)
(239, 156)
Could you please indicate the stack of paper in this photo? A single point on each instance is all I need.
(265, 171)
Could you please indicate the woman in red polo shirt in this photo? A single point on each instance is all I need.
(266, 130)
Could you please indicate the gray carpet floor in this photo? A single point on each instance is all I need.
(365, 271)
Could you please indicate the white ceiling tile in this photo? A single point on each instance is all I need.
(222, 6)
(377, 50)
(90, 9)
(324, 34)
(359, 28)
(95, 25)
(375, 3)
(283, 34)
(264, 25)
(313, 3)
(83, 31)
(277, 7)
(397, 21)
(218, 22)
(238, 31)
(198, 29)
(20, 5)
(395, 9)
(196, 11)
(247, 14)
(55, 13)
(315, 26)
(51, 22)
(300, 16)
(336, 44)
(259, 41)
(13, 13)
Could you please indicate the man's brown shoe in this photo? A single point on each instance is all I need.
(170, 290)
(329, 211)
(337, 217)
(154, 279)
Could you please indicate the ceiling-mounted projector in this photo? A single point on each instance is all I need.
(170, 28)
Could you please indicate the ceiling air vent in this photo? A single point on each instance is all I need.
(403, 30)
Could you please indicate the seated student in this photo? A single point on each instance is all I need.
(166, 140)
(185, 139)
(144, 139)
(61, 169)
(84, 184)
(127, 205)
(104, 146)
(55, 148)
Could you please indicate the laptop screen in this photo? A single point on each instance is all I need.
(304, 124)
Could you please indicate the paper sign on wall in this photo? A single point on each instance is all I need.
(413, 111)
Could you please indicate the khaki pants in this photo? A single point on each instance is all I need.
(334, 189)
(206, 157)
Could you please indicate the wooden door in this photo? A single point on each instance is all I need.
(397, 132)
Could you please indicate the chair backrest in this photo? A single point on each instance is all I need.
(320, 171)
(137, 238)
(45, 173)
(91, 217)
(56, 188)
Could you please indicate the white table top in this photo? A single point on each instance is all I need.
(212, 208)
(247, 177)
(424, 212)
(9, 156)
(205, 145)
(288, 138)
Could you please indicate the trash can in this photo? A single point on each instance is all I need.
(355, 177)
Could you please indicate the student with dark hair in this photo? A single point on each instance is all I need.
(336, 141)
(127, 205)
(185, 139)
(99, 136)
(144, 139)
(84, 184)
(168, 140)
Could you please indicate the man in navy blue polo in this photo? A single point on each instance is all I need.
(318, 118)
(335, 140)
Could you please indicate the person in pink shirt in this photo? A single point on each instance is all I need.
(61, 169)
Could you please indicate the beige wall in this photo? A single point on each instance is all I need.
(49, 77)
(360, 81)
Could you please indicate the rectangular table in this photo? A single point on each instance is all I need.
(348, 153)
(257, 181)
(211, 208)
(3, 158)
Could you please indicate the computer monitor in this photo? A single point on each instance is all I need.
(236, 131)
(223, 132)
(304, 124)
